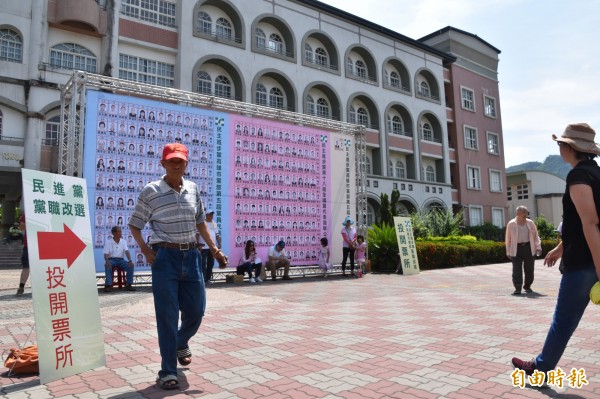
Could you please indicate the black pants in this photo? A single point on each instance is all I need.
(348, 252)
(524, 261)
(208, 262)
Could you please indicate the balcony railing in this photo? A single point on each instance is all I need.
(220, 36)
(400, 133)
(427, 94)
(275, 50)
(365, 78)
(398, 86)
(321, 65)
(430, 139)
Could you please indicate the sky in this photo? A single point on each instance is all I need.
(549, 70)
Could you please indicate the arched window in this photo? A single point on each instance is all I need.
(321, 57)
(261, 39)
(395, 124)
(390, 169)
(370, 215)
(427, 132)
(424, 89)
(430, 174)
(275, 43)
(362, 117)
(323, 108)
(204, 22)
(310, 105)
(361, 69)
(368, 165)
(222, 87)
(308, 52)
(276, 98)
(52, 129)
(395, 79)
(261, 94)
(11, 46)
(72, 56)
(224, 29)
(400, 170)
(349, 66)
(204, 85)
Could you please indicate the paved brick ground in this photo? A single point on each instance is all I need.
(440, 334)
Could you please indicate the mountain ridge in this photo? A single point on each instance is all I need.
(552, 164)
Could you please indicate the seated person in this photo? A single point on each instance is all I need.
(115, 252)
(14, 233)
(278, 258)
(250, 262)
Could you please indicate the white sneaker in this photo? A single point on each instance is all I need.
(252, 280)
(258, 279)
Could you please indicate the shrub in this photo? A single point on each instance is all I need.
(383, 248)
(546, 230)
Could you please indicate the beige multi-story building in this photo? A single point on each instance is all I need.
(430, 106)
(541, 192)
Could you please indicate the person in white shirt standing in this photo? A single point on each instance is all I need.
(116, 254)
(207, 260)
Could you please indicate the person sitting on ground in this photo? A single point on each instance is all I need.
(250, 262)
(115, 252)
(14, 233)
(277, 259)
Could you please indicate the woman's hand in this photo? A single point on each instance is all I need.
(552, 256)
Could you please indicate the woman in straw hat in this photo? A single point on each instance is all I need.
(580, 245)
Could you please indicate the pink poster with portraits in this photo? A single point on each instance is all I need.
(279, 189)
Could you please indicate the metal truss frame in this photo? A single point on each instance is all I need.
(73, 120)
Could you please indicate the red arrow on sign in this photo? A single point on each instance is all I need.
(65, 245)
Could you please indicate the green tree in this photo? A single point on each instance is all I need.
(395, 203)
(546, 230)
(385, 213)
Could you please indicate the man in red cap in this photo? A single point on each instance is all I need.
(174, 210)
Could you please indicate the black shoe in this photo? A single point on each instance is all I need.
(516, 292)
(528, 290)
(108, 288)
(129, 287)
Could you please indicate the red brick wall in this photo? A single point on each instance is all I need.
(147, 33)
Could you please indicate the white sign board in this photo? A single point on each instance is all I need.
(63, 279)
(406, 245)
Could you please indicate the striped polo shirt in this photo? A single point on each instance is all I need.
(172, 215)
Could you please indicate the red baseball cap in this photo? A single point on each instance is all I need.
(175, 150)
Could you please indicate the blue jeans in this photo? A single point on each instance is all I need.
(573, 298)
(121, 264)
(248, 267)
(208, 262)
(177, 285)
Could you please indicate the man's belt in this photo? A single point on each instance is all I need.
(186, 246)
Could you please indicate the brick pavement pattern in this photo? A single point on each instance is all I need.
(440, 334)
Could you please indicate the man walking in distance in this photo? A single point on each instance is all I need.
(173, 208)
(24, 258)
(115, 252)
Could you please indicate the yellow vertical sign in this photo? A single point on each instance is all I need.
(406, 245)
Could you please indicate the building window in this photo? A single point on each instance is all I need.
(310, 105)
(400, 170)
(493, 146)
(11, 46)
(72, 56)
(261, 94)
(430, 174)
(160, 12)
(359, 116)
(495, 181)
(308, 53)
(146, 71)
(509, 194)
(475, 216)
(395, 80)
(376, 184)
(426, 132)
(489, 106)
(222, 87)
(426, 189)
(360, 69)
(224, 29)
(370, 215)
(52, 130)
(349, 66)
(368, 165)
(473, 178)
(440, 190)
(395, 124)
(204, 85)
(395, 186)
(468, 99)
(204, 22)
(402, 186)
(471, 138)
(433, 190)
(275, 43)
(522, 191)
(391, 169)
(410, 187)
(261, 39)
(498, 217)
(323, 110)
(424, 89)
(276, 98)
(321, 57)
